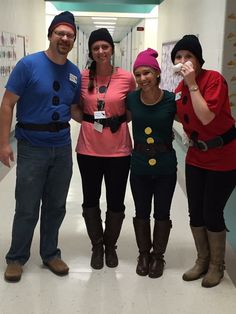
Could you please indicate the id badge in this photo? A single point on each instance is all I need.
(178, 95)
(99, 115)
(98, 126)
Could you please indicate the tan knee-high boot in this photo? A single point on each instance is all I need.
(217, 252)
(203, 254)
(161, 234)
(142, 230)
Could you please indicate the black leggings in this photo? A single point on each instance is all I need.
(208, 192)
(160, 188)
(115, 171)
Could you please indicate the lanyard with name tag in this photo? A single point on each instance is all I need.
(100, 113)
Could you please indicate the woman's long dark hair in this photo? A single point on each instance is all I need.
(92, 73)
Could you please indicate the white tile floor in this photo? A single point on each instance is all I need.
(106, 291)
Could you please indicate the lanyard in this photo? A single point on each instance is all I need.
(102, 90)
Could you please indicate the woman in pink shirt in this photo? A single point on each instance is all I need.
(104, 146)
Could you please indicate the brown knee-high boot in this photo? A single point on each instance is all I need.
(217, 254)
(93, 221)
(142, 230)
(113, 226)
(161, 234)
(203, 254)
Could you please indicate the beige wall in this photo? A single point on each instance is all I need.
(175, 18)
(26, 18)
(205, 18)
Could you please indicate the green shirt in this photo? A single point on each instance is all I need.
(152, 124)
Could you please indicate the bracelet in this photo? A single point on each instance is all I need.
(193, 88)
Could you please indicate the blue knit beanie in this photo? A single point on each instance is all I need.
(65, 18)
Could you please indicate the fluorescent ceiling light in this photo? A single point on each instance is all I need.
(105, 18)
(105, 26)
(105, 23)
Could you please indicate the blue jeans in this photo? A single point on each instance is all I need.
(43, 177)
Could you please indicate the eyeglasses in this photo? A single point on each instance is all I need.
(63, 34)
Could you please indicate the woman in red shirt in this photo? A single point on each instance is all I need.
(204, 110)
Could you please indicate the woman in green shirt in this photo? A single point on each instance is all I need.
(153, 162)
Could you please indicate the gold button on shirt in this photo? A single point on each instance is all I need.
(148, 130)
(152, 162)
(150, 140)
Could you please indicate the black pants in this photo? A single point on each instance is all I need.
(159, 188)
(208, 192)
(114, 170)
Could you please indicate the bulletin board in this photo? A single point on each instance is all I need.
(12, 49)
(169, 81)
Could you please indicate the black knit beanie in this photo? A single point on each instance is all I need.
(65, 18)
(190, 43)
(100, 34)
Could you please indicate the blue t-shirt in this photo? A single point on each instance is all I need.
(46, 91)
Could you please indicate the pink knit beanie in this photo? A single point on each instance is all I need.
(147, 58)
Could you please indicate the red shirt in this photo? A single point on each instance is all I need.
(214, 90)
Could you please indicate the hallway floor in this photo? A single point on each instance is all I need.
(106, 291)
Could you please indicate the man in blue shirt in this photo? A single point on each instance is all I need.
(46, 87)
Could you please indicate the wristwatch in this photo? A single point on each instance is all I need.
(193, 88)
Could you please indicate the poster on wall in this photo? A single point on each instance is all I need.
(169, 80)
(12, 49)
(7, 53)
